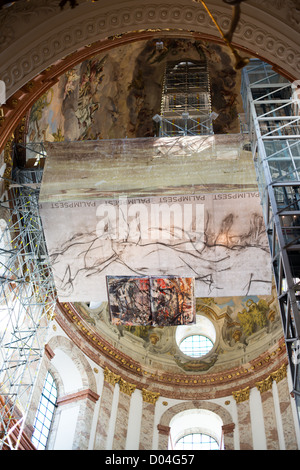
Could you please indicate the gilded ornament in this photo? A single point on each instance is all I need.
(111, 377)
(236, 335)
(265, 385)
(154, 338)
(241, 395)
(150, 397)
(280, 374)
(126, 387)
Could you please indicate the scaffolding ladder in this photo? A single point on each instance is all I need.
(274, 131)
(27, 301)
(186, 100)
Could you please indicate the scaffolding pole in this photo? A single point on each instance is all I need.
(274, 132)
(27, 301)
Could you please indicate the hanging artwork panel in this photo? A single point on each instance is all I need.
(156, 301)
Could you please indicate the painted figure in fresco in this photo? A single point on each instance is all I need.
(88, 102)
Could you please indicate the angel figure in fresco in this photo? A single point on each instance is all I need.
(70, 85)
(88, 102)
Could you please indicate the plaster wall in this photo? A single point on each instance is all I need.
(265, 420)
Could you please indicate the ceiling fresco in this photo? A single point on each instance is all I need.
(116, 95)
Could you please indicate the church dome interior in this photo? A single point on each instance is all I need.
(185, 338)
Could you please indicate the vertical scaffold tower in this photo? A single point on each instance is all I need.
(186, 100)
(272, 110)
(27, 301)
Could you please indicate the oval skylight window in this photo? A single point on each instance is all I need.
(196, 345)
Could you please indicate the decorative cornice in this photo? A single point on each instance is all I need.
(266, 384)
(61, 38)
(262, 385)
(30, 71)
(139, 374)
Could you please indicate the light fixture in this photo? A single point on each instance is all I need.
(159, 45)
(213, 116)
(157, 118)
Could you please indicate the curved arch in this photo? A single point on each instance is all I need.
(69, 350)
(225, 416)
(53, 34)
(196, 421)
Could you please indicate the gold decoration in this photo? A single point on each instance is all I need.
(280, 374)
(114, 379)
(154, 338)
(237, 335)
(126, 387)
(254, 317)
(110, 377)
(241, 395)
(150, 397)
(264, 385)
(9, 162)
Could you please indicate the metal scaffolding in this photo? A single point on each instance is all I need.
(274, 131)
(27, 300)
(186, 101)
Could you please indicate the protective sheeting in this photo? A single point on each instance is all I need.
(154, 208)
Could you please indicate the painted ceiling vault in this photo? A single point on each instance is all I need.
(115, 95)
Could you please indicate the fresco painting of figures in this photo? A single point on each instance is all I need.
(151, 300)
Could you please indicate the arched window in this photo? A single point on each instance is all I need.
(196, 441)
(195, 429)
(44, 414)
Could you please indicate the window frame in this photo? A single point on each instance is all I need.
(212, 442)
(189, 337)
(45, 413)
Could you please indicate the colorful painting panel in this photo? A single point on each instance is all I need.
(151, 301)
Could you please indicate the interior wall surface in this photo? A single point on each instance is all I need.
(107, 412)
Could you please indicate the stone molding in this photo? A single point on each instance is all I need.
(81, 395)
(225, 415)
(228, 428)
(49, 352)
(164, 430)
